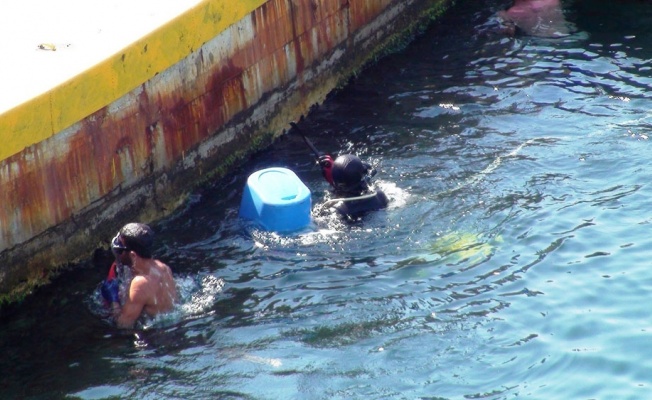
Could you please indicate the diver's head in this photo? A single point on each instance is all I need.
(350, 175)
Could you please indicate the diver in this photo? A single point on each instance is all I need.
(350, 179)
(351, 182)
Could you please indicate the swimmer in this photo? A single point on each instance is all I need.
(351, 182)
(152, 289)
(350, 179)
(542, 18)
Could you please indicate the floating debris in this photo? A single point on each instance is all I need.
(52, 46)
(47, 46)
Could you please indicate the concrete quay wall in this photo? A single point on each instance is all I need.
(129, 138)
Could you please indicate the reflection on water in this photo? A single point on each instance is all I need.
(511, 261)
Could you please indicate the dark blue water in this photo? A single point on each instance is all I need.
(513, 260)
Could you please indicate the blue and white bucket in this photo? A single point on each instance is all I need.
(277, 200)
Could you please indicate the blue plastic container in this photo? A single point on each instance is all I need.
(277, 200)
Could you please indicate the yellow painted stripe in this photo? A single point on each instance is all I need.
(71, 101)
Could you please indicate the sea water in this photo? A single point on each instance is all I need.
(513, 260)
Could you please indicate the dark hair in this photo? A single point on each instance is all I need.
(138, 238)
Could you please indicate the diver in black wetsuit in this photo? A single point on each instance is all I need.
(351, 182)
(350, 179)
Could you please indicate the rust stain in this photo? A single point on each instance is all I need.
(154, 129)
(170, 115)
(363, 12)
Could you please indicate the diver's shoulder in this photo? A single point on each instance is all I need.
(382, 198)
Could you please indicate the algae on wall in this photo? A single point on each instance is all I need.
(144, 153)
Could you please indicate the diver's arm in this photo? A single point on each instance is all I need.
(326, 164)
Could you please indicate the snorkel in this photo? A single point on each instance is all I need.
(347, 174)
(325, 161)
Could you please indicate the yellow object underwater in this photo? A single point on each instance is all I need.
(456, 247)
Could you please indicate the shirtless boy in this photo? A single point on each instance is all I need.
(152, 289)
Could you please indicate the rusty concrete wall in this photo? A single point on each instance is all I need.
(137, 156)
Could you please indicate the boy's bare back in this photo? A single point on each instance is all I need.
(161, 288)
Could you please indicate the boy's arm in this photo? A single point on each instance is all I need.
(126, 316)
